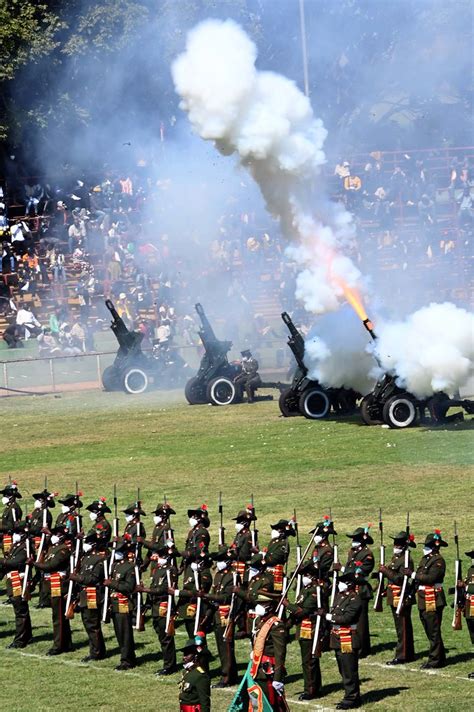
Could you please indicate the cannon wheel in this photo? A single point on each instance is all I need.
(194, 392)
(399, 412)
(314, 404)
(366, 405)
(288, 403)
(111, 379)
(134, 381)
(221, 391)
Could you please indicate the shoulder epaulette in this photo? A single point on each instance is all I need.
(199, 669)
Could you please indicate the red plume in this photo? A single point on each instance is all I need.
(437, 531)
(102, 499)
(204, 507)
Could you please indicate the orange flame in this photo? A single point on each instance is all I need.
(355, 301)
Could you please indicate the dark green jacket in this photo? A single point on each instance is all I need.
(91, 574)
(256, 588)
(159, 586)
(394, 574)
(346, 612)
(361, 558)
(305, 606)
(102, 529)
(430, 572)
(15, 560)
(242, 545)
(57, 558)
(275, 647)
(187, 594)
(36, 521)
(197, 541)
(123, 581)
(278, 551)
(323, 558)
(11, 514)
(195, 688)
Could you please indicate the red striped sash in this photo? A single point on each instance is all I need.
(122, 602)
(396, 592)
(15, 581)
(37, 540)
(55, 583)
(91, 595)
(7, 543)
(224, 615)
(239, 567)
(469, 608)
(259, 645)
(306, 630)
(430, 598)
(163, 609)
(277, 573)
(345, 637)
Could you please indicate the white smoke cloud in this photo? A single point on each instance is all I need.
(431, 351)
(269, 123)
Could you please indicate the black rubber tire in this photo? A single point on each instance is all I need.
(111, 379)
(134, 381)
(194, 393)
(400, 412)
(288, 404)
(364, 411)
(314, 404)
(222, 391)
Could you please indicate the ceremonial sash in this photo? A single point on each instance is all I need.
(306, 629)
(345, 637)
(55, 583)
(255, 694)
(191, 610)
(37, 540)
(122, 602)
(259, 644)
(277, 573)
(189, 708)
(239, 567)
(15, 580)
(91, 597)
(469, 607)
(430, 598)
(163, 609)
(223, 615)
(396, 591)
(7, 543)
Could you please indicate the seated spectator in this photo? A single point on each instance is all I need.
(13, 335)
(28, 321)
(342, 170)
(33, 194)
(48, 344)
(465, 203)
(426, 211)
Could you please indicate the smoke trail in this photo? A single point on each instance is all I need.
(432, 350)
(269, 123)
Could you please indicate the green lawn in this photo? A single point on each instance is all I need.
(190, 454)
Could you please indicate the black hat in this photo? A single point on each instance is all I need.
(200, 513)
(434, 540)
(257, 562)
(361, 534)
(350, 577)
(99, 506)
(470, 553)
(246, 515)
(285, 525)
(11, 490)
(404, 539)
(168, 549)
(246, 353)
(190, 646)
(123, 544)
(164, 509)
(21, 527)
(308, 568)
(324, 528)
(135, 509)
(92, 538)
(61, 530)
(46, 497)
(224, 554)
(72, 500)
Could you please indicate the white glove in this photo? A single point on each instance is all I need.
(278, 687)
(329, 617)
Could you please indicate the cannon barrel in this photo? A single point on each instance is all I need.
(206, 327)
(370, 328)
(128, 340)
(295, 342)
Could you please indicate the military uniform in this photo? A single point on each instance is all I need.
(278, 551)
(71, 518)
(468, 595)
(41, 518)
(13, 566)
(122, 586)
(195, 685)
(249, 378)
(393, 572)
(55, 566)
(345, 639)
(268, 659)
(90, 578)
(303, 612)
(362, 558)
(10, 515)
(188, 599)
(164, 577)
(254, 588)
(431, 600)
(100, 528)
(242, 547)
(222, 597)
(161, 534)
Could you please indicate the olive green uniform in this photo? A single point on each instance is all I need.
(123, 582)
(55, 561)
(160, 581)
(469, 601)
(11, 514)
(303, 613)
(221, 594)
(346, 612)
(102, 528)
(15, 561)
(253, 590)
(35, 527)
(272, 665)
(430, 573)
(362, 558)
(187, 603)
(195, 690)
(159, 536)
(197, 541)
(70, 520)
(405, 649)
(278, 551)
(90, 577)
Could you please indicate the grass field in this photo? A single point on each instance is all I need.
(190, 454)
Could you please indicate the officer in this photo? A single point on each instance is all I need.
(195, 685)
(11, 514)
(222, 599)
(54, 567)
(90, 577)
(278, 551)
(428, 579)
(121, 583)
(269, 654)
(393, 572)
(164, 576)
(304, 613)
(69, 517)
(361, 557)
(100, 526)
(345, 639)
(249, 377)
(13, 566)
(160, 535)
(466, 590)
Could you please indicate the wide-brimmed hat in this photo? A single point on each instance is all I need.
(200, 513)
(284, 525)
(361, 534)
(434, 540)
(168, 550)
(72, 500)
(308, 568)
(46, 497)
(136, 509)
(246, 515)
(257, 562)
(324, 528)
(470, 553)
(350, 577)
(190, 646)
(99, 506)
(123, 544)
(164, 509)
(61, 530)
(404, 539)
(11, 490)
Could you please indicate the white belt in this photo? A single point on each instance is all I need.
(9, 575)
(61, 573)
(436, 586)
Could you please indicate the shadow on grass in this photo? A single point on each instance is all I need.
(377, 695)
(381, 647)
(459, 658)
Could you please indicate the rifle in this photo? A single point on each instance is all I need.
(378, 603)
(139, 624)
(298, 554)
(26, 574)
(79, 529)
(254, 530)
(315, 653)
(295, 573)
(169, 533)
(335, 561)
(221, 526)
(228, 629)
(198, 604)
(108, 567)
(69, 603)
(168, 629)
(457, 615)
(406, 562)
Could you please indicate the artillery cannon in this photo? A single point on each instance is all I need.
(308, 397)
(134, 371)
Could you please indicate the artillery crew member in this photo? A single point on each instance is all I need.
(54, 567)
(345, 639)
(90, 578)
(249, 377)
(121, 583)
(361, 557)
(161, 534)
(13, 565)
(11, 514)
(467, 591)
(100, 526)
(223, 598)
(393, 572)
(428, 579)
(164, 577)
(304, 612)
(278, 551)
(69, 516)
(195, 685)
